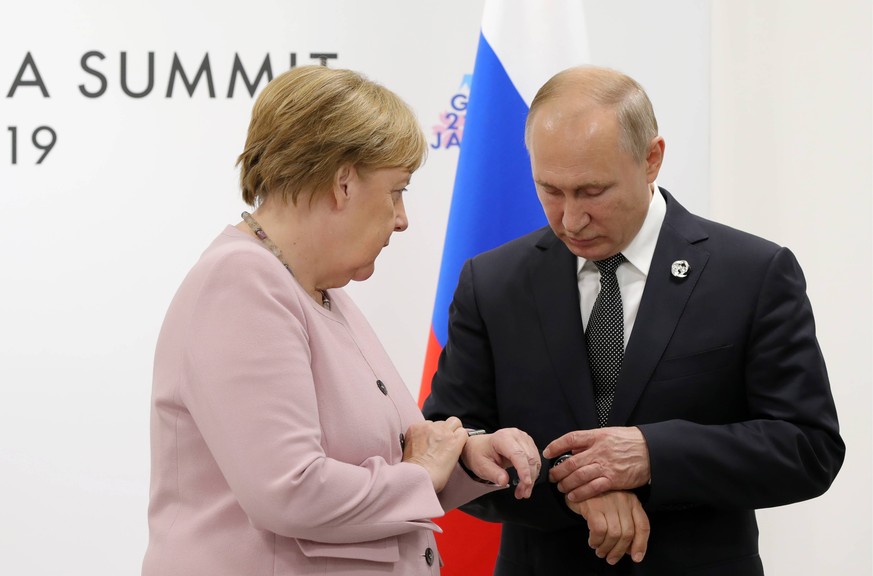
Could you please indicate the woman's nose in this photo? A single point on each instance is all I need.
(401, 223)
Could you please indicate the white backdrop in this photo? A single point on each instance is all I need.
(792, 150)
(97, 237)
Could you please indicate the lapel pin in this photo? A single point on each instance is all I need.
(680, 268)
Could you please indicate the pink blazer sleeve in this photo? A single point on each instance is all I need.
(248, 383)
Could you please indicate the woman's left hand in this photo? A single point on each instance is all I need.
(436, 447)
(487, 456)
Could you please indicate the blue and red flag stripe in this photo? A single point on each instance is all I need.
(521, 45)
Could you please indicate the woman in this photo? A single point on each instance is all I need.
(283, 439)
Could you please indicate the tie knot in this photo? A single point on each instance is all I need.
(610, 265)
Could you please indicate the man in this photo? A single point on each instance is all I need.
(693, 393)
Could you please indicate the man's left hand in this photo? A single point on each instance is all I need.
(603, 460)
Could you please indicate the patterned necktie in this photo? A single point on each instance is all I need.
(605, 337)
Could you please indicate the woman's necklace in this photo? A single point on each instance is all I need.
(262, 236)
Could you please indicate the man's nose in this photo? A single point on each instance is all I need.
(576, 216)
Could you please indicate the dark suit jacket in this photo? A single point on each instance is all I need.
(722, 373)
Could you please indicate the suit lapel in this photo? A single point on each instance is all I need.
(664, 299)
(553, 282)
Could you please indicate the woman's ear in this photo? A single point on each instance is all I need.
(344, 177)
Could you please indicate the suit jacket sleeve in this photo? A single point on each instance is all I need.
(464, 386)
(788, 448)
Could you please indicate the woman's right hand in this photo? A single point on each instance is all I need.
(436, 447)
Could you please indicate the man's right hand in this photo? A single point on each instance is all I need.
(617, 525)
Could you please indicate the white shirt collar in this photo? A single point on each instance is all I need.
(641, 249)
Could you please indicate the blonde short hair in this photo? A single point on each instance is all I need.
(604, 87)
(309, 122)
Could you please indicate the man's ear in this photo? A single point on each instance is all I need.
(654, 158)
(341, 182)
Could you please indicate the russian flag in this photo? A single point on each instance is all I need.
(521, 45)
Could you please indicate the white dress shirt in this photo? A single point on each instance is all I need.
(632, 274)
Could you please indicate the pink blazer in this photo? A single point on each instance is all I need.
(276, 433)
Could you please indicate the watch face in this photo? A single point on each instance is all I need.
(559, 460)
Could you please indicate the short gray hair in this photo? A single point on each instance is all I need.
(605, 87)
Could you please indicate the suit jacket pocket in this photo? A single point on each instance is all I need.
(747, 566)
(695, 363)
(384, 550)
